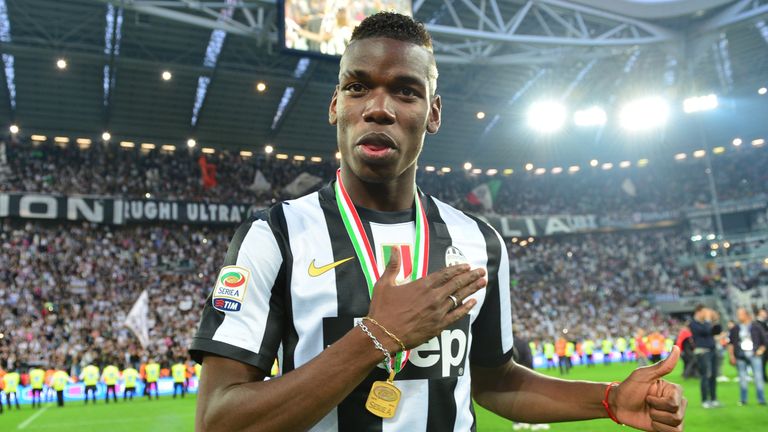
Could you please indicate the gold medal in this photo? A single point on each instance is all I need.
(383, 398)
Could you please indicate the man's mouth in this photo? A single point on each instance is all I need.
(376, 145)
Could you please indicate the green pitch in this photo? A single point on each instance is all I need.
(171, 415)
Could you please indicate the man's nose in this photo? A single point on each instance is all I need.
(379, 108)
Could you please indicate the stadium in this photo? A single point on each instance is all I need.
(604, 162)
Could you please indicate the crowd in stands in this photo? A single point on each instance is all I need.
(65, 288)
(662, 185)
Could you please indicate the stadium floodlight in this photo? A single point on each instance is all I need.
(166, 75)
(700, 103)
(737, 142)
(467, 166)
(642, 163)
(477, 171)
(758, 142)
(593, 116)
(191, 143)
(718, 150)
(762, 91)
(14, 129)
(61, 139)
(268, 149)
(606, 166)
(644, 114)
(480, 115)
(492, 172)
(508, 171)
(300, 158)
(680, 156)
(61, 63)
(540, 171)
(574, 169)
(261, 86)
(338, 155)
(546, 116)
(38, 138)
(698, 154)
(429, 168)
(445, 170)
(528, 166)
(625, 164)
(594, 162)
(557, 170)
(281, 156)
(106, 136)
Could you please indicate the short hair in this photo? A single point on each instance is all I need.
(393, 25)
(699, 307)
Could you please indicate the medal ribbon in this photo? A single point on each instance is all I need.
(364, 251)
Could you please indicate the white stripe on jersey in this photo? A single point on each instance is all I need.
(311, 297)
(505, 298)
(238, 328)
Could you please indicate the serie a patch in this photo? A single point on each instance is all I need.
(229, 292)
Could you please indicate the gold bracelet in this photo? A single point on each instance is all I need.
(389, 333)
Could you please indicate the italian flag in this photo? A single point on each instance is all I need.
(484, 194)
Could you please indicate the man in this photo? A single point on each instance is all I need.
(130, 377)
(153, 374)
(704, 327)
(621, 347)
(656, 346)
(607, 348)
(549, 354)
(589, 349)
(36, 381)
(59, 381)
(746, 348)
(560, 348)
(301, 275)
(762, 319)
(11, 382)
(90, 377)
(179, 374)
(641, 349)
(109, 376)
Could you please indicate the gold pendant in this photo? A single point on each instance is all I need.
(383, 398)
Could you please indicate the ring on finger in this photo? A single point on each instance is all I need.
(454, 300)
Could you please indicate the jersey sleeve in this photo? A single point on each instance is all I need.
(492, 329)
(246, 325)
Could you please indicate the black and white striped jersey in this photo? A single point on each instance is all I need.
(291, 286)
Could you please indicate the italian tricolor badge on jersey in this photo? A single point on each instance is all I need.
(229, 292)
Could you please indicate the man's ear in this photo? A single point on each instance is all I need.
(435, 108)
(332, 108)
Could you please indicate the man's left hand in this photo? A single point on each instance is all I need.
(646, 402)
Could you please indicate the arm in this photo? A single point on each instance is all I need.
(642, 401)
(272, 405)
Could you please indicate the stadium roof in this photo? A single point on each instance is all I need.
(494, 56)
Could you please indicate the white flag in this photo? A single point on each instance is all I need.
(260, 183)
(301, 184)
(138, 319)
(628, 186)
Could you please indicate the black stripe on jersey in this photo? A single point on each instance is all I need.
(353, 301)
(442, 403)
(280, 306)
(486, 330)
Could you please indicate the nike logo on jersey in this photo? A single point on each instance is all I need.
(317, 271)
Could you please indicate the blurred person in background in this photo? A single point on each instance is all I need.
(59, 381)
(153, 374)
(747, 346)
(704, 327)
(90, 377)
(110, 375)
(11, 383)
(607, 347)
(641, 349)
(179, 374)
(685, 343)
(655, 346)
(36, 381)
(762, 320)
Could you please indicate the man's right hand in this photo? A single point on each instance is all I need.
(419, 310)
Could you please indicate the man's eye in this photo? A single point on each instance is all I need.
(355, 88)
(405, 91)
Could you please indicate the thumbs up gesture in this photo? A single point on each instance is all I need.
(646, 402)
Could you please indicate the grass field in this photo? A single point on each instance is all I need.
(169, 415)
